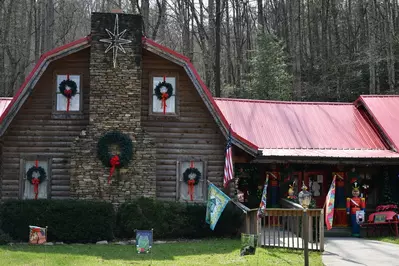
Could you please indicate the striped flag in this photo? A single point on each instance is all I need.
(263, 201)
(330, 200)
(228, 164)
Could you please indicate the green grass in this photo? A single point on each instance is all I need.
(389, 239)
(206, 252)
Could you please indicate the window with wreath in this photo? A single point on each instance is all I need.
(192, 181)
(68, 93)
(36, 179)
(163, 95)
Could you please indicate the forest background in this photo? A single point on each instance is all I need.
(304, 50)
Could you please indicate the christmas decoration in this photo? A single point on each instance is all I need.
(35, 181)
(115, 41)
(115, 161)
(68, 88)
(355, 207)
(191, 176)
(163, 91)
(291, 193)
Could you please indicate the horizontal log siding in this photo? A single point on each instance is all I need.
(192, 134)
(34, 132)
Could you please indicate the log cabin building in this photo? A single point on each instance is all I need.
(116, 91)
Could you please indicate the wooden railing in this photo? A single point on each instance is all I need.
(284, 228)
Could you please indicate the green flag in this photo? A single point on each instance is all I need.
(217, 201)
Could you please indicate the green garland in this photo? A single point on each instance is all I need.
(71, 84)
(125, 145)
(167, 85)
(188, 172)
(33, 169)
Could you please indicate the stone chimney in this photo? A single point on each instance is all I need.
(115, 105)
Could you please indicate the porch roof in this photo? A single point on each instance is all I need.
(305, 129)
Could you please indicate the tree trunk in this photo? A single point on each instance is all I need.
(372, 46)
(217, 49)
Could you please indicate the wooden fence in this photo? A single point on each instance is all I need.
(284, 228)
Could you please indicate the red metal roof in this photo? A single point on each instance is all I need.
(384, 109)
(4, 102)
(273, 125)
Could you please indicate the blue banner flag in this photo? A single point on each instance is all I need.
(217, 201)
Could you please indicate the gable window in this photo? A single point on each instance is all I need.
(195, 171)
(29, 188)
(70, 104)
(166, 105)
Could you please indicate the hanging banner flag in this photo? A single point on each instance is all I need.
(330, 200)
(263, 201)
(37, 235)
(217, 201)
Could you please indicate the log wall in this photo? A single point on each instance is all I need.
(35, 131)
(192, 134)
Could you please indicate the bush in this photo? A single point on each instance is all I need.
(174, 219)
(67, 220)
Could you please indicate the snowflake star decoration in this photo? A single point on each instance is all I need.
(115, 41)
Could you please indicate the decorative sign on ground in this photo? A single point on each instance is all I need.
(143, 241)
(379, 218)
(248, 244)
(37, 235)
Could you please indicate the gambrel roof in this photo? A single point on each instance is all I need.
(150, 45)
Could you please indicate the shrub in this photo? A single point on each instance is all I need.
(174, 219)
(67, 220)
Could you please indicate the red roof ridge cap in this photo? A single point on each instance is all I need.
(379, 96)
(280, 102)
(146, 40)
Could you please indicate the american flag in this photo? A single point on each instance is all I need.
(228, 164)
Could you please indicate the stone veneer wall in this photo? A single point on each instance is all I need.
(115, 104)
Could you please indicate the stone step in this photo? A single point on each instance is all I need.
(337, 232)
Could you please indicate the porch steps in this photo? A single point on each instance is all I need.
(337, 232)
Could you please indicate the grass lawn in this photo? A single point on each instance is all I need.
(389, 239)
(206, 252)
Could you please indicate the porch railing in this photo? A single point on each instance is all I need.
(284, 228)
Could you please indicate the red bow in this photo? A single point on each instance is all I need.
(164, 98)
(36, 182)
(68, 95)
(191, 183)
(114, 163)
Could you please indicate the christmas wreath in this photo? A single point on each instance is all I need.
(191, 182)
(115, 161)
(68, 88)
(163, 95)
(35, 181)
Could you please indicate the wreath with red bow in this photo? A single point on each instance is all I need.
(191, 182)
(68, 88)
(35, 181)
(115, 161)
(163, 94)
